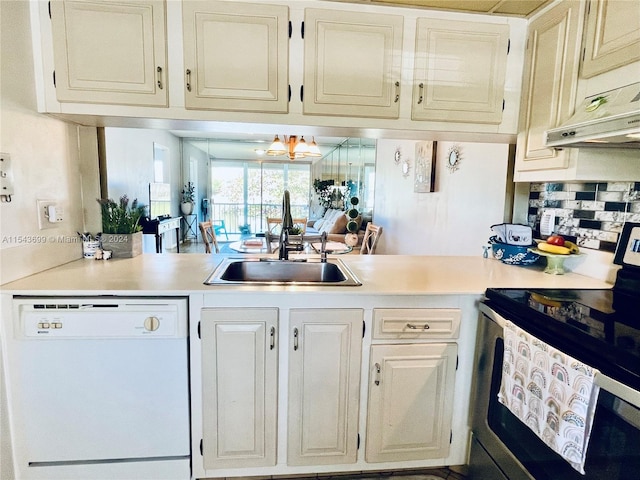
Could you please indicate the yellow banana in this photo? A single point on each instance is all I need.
(545, 247)
(573, 248)
(544, 300)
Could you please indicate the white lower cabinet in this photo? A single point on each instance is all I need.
(324, 386)
(410, 401)
(281, 387)
(239, 387)
(411, 385)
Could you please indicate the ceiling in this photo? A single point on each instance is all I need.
(243, 146)
(518, 8)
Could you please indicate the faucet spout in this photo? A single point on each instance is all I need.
(287, 224)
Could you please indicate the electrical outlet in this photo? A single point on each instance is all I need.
(49, 214)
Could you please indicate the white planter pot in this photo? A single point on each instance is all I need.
(186, 208)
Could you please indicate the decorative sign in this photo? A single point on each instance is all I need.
(425, 167)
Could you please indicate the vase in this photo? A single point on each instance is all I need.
(351, 239)
(186, 208)
(123, 245)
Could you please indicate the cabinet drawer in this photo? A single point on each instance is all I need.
(416, 322)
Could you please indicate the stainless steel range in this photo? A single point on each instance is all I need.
(600, 328)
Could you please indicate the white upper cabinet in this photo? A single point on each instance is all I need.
(549, 87)
(110, 52)
(352, 63)
(612, 36)
(236, 56)
(459, 71)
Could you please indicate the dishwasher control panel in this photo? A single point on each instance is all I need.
(114, 319)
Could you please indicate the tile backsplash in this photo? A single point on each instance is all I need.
(593, 212)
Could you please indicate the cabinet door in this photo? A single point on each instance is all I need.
(410, 402)
(459, 71)
(352, 63)
(324, 385)
(549, 86)
(612, 36)
(236, 56)
(239, 385)
(110, 52)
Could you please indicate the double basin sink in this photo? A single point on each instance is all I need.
(268, 271)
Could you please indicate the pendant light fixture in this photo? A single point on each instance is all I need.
(277, 148)
(294, 147)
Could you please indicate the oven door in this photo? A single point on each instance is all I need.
(614, 449)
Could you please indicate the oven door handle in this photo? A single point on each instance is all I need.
(612, 386)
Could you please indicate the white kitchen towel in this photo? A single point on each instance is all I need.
(550, 392)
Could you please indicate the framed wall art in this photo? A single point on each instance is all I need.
(425, 163)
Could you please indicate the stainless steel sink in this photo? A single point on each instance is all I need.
(232, 271)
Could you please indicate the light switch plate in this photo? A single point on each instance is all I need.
(6, 176)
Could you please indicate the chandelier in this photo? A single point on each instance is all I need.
(294, 147)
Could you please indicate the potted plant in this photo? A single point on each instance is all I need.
(121, 229)
(353, 225)
(188, 199)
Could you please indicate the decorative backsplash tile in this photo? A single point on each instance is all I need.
(592, 212)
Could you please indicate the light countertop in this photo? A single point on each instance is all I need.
(182, 274)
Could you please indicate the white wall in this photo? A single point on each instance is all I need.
(45, 155)
(129, 164)
(452, 220)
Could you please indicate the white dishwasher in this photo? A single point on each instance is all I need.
(99, 388)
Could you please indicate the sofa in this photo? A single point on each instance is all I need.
(334, 222)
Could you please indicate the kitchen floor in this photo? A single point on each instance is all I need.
(452, 473)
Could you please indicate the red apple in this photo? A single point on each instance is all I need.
(556, 240)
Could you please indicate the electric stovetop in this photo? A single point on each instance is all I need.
(598, 327)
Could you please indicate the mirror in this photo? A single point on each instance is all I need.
(453, 159)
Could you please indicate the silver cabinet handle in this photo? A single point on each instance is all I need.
(272, 338)
(421, 89)
(397, 84)
(377, 379)
(295, 339)
(188, 80)
(417, 327)
(159, 70)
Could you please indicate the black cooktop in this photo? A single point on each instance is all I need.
(598, 327)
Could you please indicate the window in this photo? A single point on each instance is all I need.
(244, 194)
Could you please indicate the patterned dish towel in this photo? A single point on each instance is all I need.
(550, 392)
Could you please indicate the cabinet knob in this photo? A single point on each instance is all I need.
(377, 379)
(397, 84)
(295, 339)
(188, 74)
(421, 90)
(272, 338)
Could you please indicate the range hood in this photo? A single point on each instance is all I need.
(609, 119)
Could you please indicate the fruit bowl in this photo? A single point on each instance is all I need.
(514, 254)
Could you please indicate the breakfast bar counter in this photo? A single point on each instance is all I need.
(181, 274)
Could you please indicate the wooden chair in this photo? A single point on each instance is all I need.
(370, 241)
(275, 224)
(208, 236)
